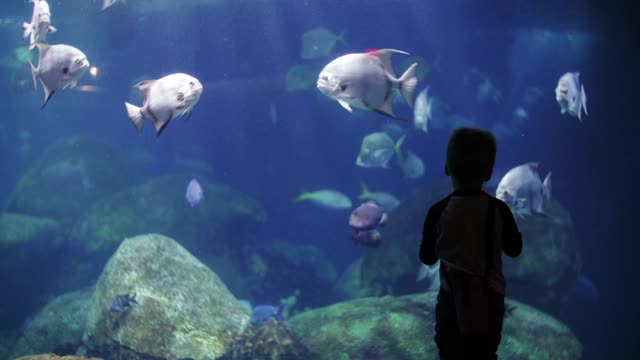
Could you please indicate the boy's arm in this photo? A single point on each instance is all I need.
(511, 236)
(429, 235)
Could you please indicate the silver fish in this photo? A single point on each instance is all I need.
(367, 81)
(522, 189)
(571, 96)
(377, 149)
(109, 3)
(194, 193)
(59, 66)
(164, 100)
(422, 110)
(40, 23)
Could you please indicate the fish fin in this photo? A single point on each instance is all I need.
(105, 5)
(188, 115)
(160, 124)
(144, 86)
(408, 84)
(365, 191)
(135, 114)
(546, 184)
(398, 145)
(583, 98)
(42, 50)
(386, 107)
(389, 114)
(385, 56)
(48, 93)
(533, 165)
(27, 30)
(34, 75)
(73, 84)
(563, 111)
(52, 29)
(345, 105)
(423, 271)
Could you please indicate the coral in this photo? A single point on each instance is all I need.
(272, 340)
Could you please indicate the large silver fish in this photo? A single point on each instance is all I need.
(422, 110)
(571, 96)
(40, 23)
(524, 192)
(59, 66)
(367, 81)
(164, 100)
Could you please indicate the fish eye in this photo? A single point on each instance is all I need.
(324, 77)
(65, 70)
(180, 97)
(343, 87)
(192, 83)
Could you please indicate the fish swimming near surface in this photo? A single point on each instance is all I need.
(194, 193)
(120, 303)
(377, 149)
(40, 24)
(262, 313)
(319, 42)
(384, 199)
(524, 192)
(571, 96)
(109, 3)
(164, 100)
(59, 67)
(422, 110)
(326, 198)
(367, 81)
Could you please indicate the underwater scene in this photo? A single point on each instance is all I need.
(248, 179)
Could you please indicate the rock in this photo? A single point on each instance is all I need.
(54, 357)
(403, 328)
(8, 340)
(23, 230)
(224, 217)
(271, 340)
(184, 310)
(70, 175)
(58, 327)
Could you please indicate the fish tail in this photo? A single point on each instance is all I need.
(303, 196)
(365, 191)
(398, 146)
(135, 114)
(409, 83)
(546, 184)
(583, 98)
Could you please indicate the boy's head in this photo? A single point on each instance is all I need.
(471, 154)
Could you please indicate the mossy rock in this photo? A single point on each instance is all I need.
(17, 230)
(183, 310)
(403, 328)
(225, 216)
(69, 176)
(58, 327)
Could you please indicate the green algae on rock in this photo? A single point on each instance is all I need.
(159, 205)
(184, 310)
(58, 327)
(403, 328)
(19, 230)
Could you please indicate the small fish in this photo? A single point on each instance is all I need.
(319, 42)
(432, 273)
(571, 96)
(120, 303)
(412, 166)
(367, 81)
(422, 110)
(194, 193)
(59, 66)
(109, 3)
(300, 77)
(368, 216)
(522, 189)
(520, 113)
(368, 238)
(327, 198)
(377, 149)
(386, 200)
(164, 100)
(40, 26)
(262, 313)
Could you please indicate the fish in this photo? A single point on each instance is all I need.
(386, 200)
(422, 110)
(319, 42)
(520, 113)
(59, 66)
(412, 166)
(120, 303)
(394, 130)
(424, 67)
(263, 313)
(194, 193)
(165, 99)
(109, 3)
(431, 272)
(485, 90)
(377, 149)
(300, 77)
(327, 198)
(40, 24)
(367, 81)
(571, 96)
(368, 216)
(368, 238)
(524, 192)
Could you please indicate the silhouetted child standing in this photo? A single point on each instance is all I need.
(467, 231)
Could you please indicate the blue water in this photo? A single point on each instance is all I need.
(241, 53)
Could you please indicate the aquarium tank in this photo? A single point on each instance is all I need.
(249, 179)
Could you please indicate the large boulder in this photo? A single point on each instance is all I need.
(225, 216)
(183, 309)
(403, 328)
(69, 176)
(542, 276)
(58, 327)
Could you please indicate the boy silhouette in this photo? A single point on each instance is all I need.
(468, 231)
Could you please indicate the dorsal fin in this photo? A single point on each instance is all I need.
(144, 87)
(42, 49)
(385, 56)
